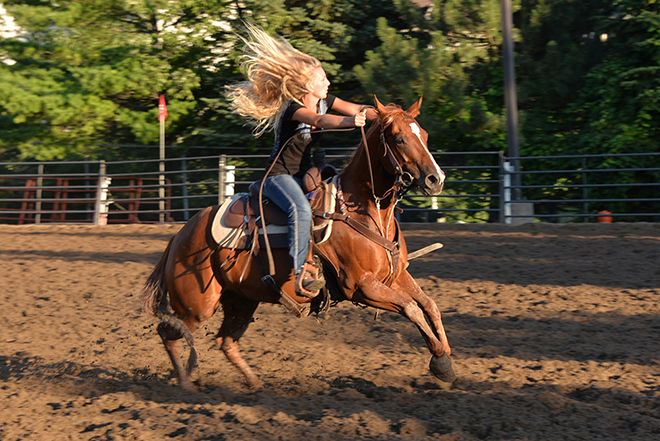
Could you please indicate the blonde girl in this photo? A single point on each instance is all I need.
(287, 91)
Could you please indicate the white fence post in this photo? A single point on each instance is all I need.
(230, 179)
(222, 163)
(226, 179)
(102, 202)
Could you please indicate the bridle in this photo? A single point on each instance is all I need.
(403, 178)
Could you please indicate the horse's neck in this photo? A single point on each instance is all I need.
(357, 184)
(367, 163)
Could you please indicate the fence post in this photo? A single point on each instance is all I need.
(88, 207)
(230, 179)
(507, 168)
(585, 190)
(102, 203)
(39, 194)
(226, 179)
(222, 163)
(161, 185)
(184, 189)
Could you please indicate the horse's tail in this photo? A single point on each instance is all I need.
(155, 302)
(154, 292)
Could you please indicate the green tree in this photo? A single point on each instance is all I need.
(91, 72)
(589, 76)
(589, 85)
(621, 97)
(459, 40)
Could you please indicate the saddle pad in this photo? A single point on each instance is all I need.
(238, 238)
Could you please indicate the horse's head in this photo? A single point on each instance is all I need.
(409, 154)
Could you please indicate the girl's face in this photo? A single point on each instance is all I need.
(318, 85)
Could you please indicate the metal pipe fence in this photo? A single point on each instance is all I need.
(478, 188)
(585, 188)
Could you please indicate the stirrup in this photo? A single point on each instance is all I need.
(309, 284)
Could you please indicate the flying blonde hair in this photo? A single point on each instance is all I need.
(276, 73)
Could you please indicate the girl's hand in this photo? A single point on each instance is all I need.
(360, 118)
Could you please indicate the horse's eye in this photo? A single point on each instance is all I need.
(399, 140)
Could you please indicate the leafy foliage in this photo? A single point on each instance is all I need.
(82, 76)
(89, 72)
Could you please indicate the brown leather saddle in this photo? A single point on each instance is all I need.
(246, 207)
(247, 213)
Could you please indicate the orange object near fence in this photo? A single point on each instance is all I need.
(604, 218)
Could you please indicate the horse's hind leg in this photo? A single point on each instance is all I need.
(172, 341)
(238, 313)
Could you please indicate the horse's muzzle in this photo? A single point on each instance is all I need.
(432, 183)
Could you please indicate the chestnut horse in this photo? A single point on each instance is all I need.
(364, 258)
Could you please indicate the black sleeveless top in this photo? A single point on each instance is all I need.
(296, 156)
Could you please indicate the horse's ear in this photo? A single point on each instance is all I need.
(379, 106)
(414, 109)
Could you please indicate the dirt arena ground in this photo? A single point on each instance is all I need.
(555, 331)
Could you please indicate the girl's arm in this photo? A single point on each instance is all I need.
(328, 121)
(348, 108)
(355, 116)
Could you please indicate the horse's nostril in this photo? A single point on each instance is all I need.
(434, 183)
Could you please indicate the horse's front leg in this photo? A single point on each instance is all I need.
(406, 284)
(373, 293)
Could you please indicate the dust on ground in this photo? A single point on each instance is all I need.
(554, 330)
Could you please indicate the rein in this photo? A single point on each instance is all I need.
(403, 179)
(269, 253)
(392, 247)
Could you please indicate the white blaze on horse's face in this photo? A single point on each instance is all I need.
(417, 131)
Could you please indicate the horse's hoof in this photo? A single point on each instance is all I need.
(189, 386)
(254, 383)
(442, 368)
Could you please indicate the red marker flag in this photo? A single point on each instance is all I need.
(162, 109)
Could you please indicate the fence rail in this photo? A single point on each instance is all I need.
(478, 188)
(622, 186)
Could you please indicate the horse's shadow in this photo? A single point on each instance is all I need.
(439, 407)
(91, 381)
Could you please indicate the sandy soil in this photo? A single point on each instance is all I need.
(555, 332)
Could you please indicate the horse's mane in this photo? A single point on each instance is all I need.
(385, 116)
(389, 112)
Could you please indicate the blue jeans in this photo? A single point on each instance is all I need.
(285, 192)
